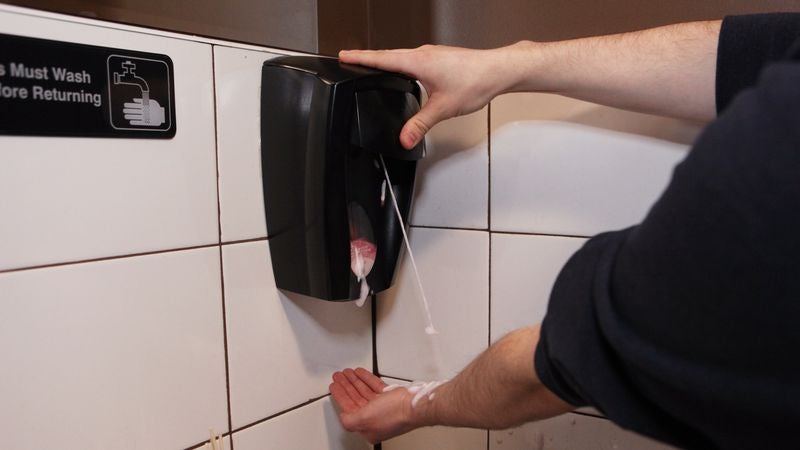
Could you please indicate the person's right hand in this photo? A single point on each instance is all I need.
(369, 411)
(458, 80)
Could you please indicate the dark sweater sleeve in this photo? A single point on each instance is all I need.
(746, 45)
(684, 327)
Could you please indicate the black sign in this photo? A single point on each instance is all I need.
(56, 88)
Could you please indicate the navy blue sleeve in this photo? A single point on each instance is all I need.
(684, 327)
(746, 45)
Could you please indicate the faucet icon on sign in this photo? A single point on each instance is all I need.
(142, 111)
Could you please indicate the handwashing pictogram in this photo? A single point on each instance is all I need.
(136, 90)
(139, 111)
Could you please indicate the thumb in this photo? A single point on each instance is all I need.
(420, 123)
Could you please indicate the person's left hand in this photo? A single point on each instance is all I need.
(366, 409)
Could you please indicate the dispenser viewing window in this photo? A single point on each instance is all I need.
(333, 230)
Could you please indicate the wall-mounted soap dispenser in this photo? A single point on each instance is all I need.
(326, 129)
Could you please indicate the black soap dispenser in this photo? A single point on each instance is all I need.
(328, 132)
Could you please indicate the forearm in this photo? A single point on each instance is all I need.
(669, 70)
(499, 389)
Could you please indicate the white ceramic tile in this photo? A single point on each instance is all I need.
(452, 188)
(68, 199)
(222, 444)
(283, 348)
(312, 427)
(560, 178)
(524, 268)
(535, 106)
(571, 432)
(126, 353)
(436, 438)
(238, 78)
(454, 268)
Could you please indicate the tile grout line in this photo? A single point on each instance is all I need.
(278, 414)
(489, 227)
(129, 255)
(515, 233)
(523, 233)
(221, 260)
(489, 215)
(489, 166)
(244, 241)
(375, 370)
(374, 314)
(441, 227)
(225, 345)
(398, 378)
(108, 258)
(258, 422)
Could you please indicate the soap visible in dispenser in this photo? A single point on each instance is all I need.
(323, 126)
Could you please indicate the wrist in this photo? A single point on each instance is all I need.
(423, 414)
(526, 65)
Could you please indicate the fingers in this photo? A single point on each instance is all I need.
(418, 125)
(360, 386)
(342, 399)
(374, 383)
(340, 379)
(391, 60)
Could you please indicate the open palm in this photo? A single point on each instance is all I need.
(366, 409)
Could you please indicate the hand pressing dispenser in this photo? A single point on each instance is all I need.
(326, 130)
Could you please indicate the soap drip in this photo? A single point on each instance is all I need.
(420, 389)
(362, 258)
(428, 329)
(362, 298)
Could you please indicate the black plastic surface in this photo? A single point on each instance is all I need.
(320, 150)
(380, 115)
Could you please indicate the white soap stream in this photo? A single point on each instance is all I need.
(429, 329)
(420, 389)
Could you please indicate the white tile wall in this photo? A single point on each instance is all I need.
(437, 438)
(517, 107)
(130, 352)
(283, 348)
(68, 199)
(238, 89)
(454, 267)
(453, 179)
(222, 444)
(524, 268)
(567, 179)
(126, 353)
(311, 427)
(571, 432)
